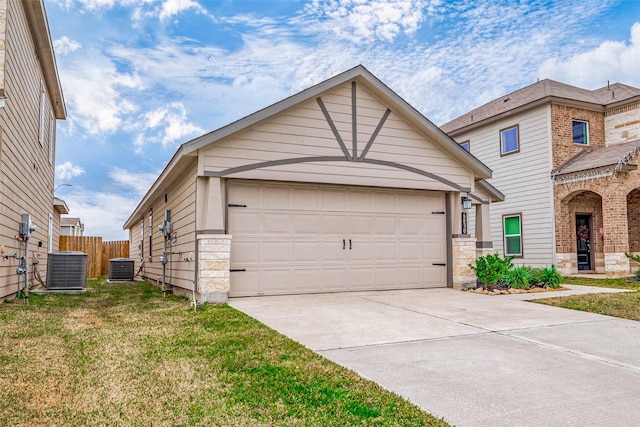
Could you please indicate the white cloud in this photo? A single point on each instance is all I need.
(166, 125)
(614, 61)
(102, 213)
(139, 182)
(171, 8)
(67, 170)
(93, 95)
(371, 20)
(64, 45)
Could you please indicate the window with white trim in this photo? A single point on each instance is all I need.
(512, 231)
(509, 140)
(52, 137)
(50, 234)
(580, 131)
(42, 118)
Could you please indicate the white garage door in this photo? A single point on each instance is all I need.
(300, 238)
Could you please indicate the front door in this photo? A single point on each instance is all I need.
(583, 241)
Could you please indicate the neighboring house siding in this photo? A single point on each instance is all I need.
(524, 179)
(181, 200)
(303, 131)
(622, 124)
(26, 175)
(561, 122)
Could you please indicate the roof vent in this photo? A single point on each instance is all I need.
(506, 99)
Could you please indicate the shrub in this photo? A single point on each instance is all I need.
(636, 258)
(517, 277)
(490, 269)
(535, 274)
(550, 277)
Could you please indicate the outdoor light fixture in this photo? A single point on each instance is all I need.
(466, 202)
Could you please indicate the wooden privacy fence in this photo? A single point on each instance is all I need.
(99, 252)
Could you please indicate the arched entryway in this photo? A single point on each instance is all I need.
(579, 233)
(633, 224)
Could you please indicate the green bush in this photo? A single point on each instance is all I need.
(490, 269)
(517, 277)
(636, 258)
(535, 275)
(550, 277)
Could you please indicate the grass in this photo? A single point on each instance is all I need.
(625, 305)
(122, 355)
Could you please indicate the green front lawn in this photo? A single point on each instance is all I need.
(625, 304)
(122, 355)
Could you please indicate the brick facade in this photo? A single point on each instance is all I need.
(562, 132)
(614, 203)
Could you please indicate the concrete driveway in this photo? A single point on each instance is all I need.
(475, 360)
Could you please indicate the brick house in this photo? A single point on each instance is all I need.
(566, 160)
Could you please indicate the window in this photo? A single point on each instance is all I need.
(512, 229)
(509, 140)
(150, 232)
(466, 145)
(52, 137)
(142, 239)
(41, 131)
(50, 234)
(580, 132)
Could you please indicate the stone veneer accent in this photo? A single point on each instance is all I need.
(566, 263)
(214, 261)
(464, 253)
(616, 264)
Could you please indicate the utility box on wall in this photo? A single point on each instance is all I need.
(67, 270)
(121, 269)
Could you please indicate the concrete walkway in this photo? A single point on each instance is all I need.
(475, 360)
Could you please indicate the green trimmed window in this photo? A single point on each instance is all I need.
(512, 230)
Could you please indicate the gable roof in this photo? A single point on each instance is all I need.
(540, 93)
(359, 74)
(605, 161)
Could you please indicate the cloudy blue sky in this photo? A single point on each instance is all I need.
(140, 77)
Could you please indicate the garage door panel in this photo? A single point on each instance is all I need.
(245, 283)
(361, 201)
(411, 251)
(243, 222)
(276, 197)
(306, 199)
(410, 226)
(335, 279)
(360, 224)
(275, 252)
(386, 277)
(335, 224)
(334, 200)
(309, 252)
(434, 276)
(386, 251)
(275, 223)
(294, 238)
(305, 281)
(411, 277)
(362, 278)
(275, 281)
(245, 252)
(309, 224)
(384, 226)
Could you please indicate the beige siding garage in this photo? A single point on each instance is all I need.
(300, 238)
(341, 187)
